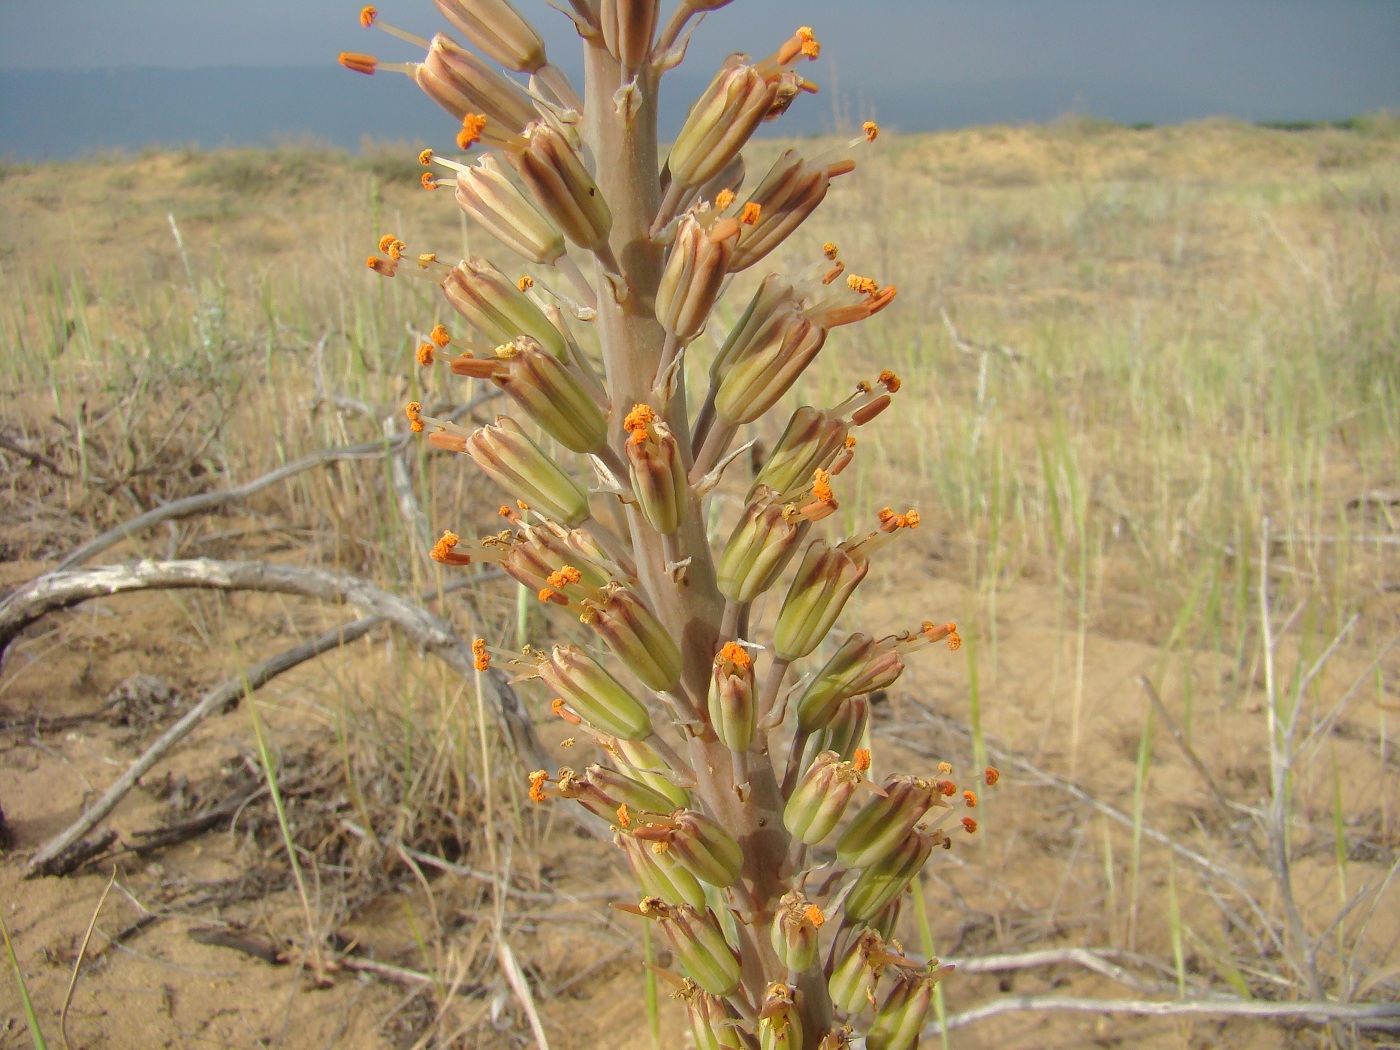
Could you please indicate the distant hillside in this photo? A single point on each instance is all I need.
(60, 116)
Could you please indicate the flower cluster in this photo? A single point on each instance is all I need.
(729, 770)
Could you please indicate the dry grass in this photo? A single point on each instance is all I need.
(1164, 337)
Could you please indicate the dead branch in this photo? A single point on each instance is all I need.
(37, 458)
(970, 348)
(207, 501)
(1384, 1016)
(65, 589)
(1087, 958)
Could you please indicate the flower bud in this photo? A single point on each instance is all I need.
(488, 196)
(846, 731)
(755, 379)
(499, 29)
(694, 274)
(758, 550)
(811, 441)
(461, 83)
(789, 193)
(883, 822)
(546, 388)
(861, 665)
(779, 1022)
(634, 635)
(698, 945)
(888, 877)
(825, 580)
(491, 302)
(517, 464)
(596, 695)
(731, 701)
(774, 295)
(794, 931)
(821, 796)
(856, 972)
(561, 184)
(647, 765)
(698, 844)
(720, 123)
(612, 789)
(657, 470)
(659, 876)
(628, 26)
(886, 921)
(901, 1016)
(709, 1020)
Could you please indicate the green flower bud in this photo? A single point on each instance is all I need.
(546, 388)
(733, 713)
(901, 1016)
(597, 696)
(789, 193)
(486, 194)
(499, 29)
(551, 167)
(846, 732)
(883, 823)
(759, 548)
(888, 877)
(753, 382)
(698, 945)
(794, 931)
(720, 123)
(774, 295)
(811, 441)
(699, 845)
(825, 580)
(856, 972)
(695, 271)
(861, 665)
(658, 876)
(634, 635)
(821, 796)
(657, 470)
(491, 303)
(613, 789)
(517, 464)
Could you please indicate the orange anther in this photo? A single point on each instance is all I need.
(428, 180)
(358, 62)
(537, 781)
(525, 283)
(383, 267)
(481, 658)
(945, 767)
(563, 576)
(829, 250)
(447, 442)
(970, 797)
(439, 336)
(425, 354)
(473, 124)
(946, 788)
(367, 16)
(723, 199)
(891, 381)
(871, 130)
(558, 708)
(862, 759)
(814, 915)
(624, 816)
(864, 285)
(736, 654)
(969, 825)
(414, 411)
(426, 157)
(749, 216)
(991, 776)
(443, 550)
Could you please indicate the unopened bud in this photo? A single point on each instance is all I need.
(547, 389)
(821, 797)
(811, 441)
(698, 945)
(657, 470)
(879, 827)
(499, 29)
(757, 375)
(493, 304)
(694, 275)
(759, 548)
(888, 877)
(733, 713)
(794, 931)
(628, 26)
(613, 789)
(900, 1019)
(855, 973)
(461, 83)
(596, 695)
(563, 187)
(488, 196)
(700, 845)
(505, 453)
(861, 665)
(634, 635)
(846, 732)
(825, 580)
(720, 123)
(659, 876)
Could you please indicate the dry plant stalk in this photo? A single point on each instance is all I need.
(727, 775)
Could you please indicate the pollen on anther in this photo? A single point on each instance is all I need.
(752, 210)
(439, 335)
(481, 658)
(624, 816)
(946, 788)
(442, 550)
(871, 130)
(991, 776)
(864, 285)
(564, 576)
(383, 267)
(425, 354)
(525, 283)
(414, 411)
(425, 259)
(969, 825)
(814, 915)
(367, 16)
(891, 382)
(862, 759)
(945, 768)
(736, 654)
(821, 485)
(637, 420)
(426, 157)
(537, 780)
(811, 46)
(428, 180)
(473, 124)
(970, 798)
(829, 249)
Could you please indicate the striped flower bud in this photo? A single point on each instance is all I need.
(613, 789)
(879, 827)
(811, 441)
(720, 122)
(789, 193)
(902, 1014)
(628, 26)
(546, 388)
(733, 713)
(657, 470)
(646, 764)
(634, 635)
(658, 876)
(486, 194)
(698, 844)
(758, 550)
(757, 375)
(887, 878)
(710, 1023)
(856, 972)
(597, 696)
(499, 29)
(461, 83)
(779, 1022)
(820, 799)
(825, 580)
(694, 274)
(491, 302)
(794, 931)
(555, 174)
(846, 732)
(505, 453)
(861, 665)
(698, 945)
(886, 921)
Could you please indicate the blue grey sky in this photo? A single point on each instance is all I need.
(916, 64)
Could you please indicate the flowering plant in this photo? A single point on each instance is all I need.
(729, 780)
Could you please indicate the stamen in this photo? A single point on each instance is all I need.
(473, 124)
(811, 46)
(448, 442)
(414, 411)
(525, 283)
(736, 654)
(991, 776)
(482, 659)
(367, 16)
(636, 422)
(944, 767)
(428, 180)
(439, 336)
(871, 130)
(821, 485)
(946, 788)
(624, 816)
(864, 285)
(425, 354)
(969, 825)
(864, 415)
(426, 157)
(749, 216)
(558, 708)
(564, 576)
(383, 267)
(360, 63)
(537, 781)
(970, 797)
(829, 249)
(862, 759)
(891, 382)
(723, 199)
(814, 915)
